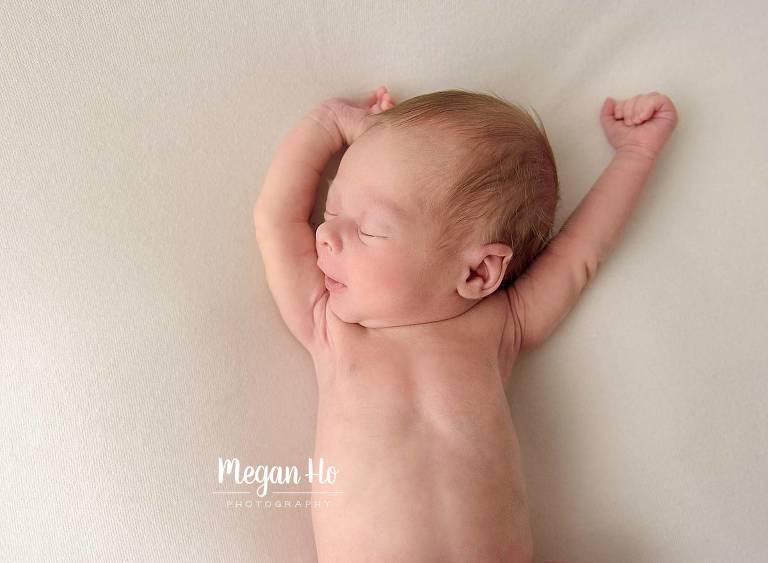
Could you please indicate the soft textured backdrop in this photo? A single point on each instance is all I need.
(139, 341)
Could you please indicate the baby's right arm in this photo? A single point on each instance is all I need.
(282, 211)
(541, 297)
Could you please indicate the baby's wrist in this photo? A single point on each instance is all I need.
(637, 153)
(323, 118)
(324, 115)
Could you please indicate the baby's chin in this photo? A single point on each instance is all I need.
(344, 311)
(350, 314)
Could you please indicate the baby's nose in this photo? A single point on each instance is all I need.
(327, 240)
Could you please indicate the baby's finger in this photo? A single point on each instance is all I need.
(387, 102)
(655, 101)
(377, 97)
(374, 96)
(641, 108)
(629, 110)
(644, 108)
(617, 111)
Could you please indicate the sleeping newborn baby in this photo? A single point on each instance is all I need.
(432, 271)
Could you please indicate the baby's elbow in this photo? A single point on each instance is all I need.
(256, 214)
(261, 222)
(589, 269)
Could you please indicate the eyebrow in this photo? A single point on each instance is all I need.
(391, 206)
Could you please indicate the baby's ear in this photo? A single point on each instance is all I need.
(483, 270)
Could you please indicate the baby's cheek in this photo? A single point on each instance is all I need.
(389, 274)
(390, 280)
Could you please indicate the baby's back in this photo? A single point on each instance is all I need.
(417, 424)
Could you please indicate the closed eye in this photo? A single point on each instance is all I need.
(358, 230)
(372, 236)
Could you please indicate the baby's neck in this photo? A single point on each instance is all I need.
(422, 318)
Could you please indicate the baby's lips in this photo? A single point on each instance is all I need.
(328, 275)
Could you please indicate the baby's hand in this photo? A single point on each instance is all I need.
(642, 123)
(353, 117)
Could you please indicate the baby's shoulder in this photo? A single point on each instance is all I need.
(488, 315)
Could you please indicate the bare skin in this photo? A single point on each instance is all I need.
(416, 419)
(412, 410)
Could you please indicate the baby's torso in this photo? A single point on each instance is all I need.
(416, 423)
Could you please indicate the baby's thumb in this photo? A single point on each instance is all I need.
(606, 112)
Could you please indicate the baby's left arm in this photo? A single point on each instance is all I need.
(283, 209)
(637, 128)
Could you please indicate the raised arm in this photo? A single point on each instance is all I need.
(540, 298)
(284, 206)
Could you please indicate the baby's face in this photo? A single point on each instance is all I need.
(378, 238)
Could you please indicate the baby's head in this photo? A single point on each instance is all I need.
(448, 197)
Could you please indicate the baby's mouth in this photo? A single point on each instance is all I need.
(332, 284)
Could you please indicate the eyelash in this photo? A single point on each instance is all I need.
(358, 230)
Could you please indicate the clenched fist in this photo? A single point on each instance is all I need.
(641, 124)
